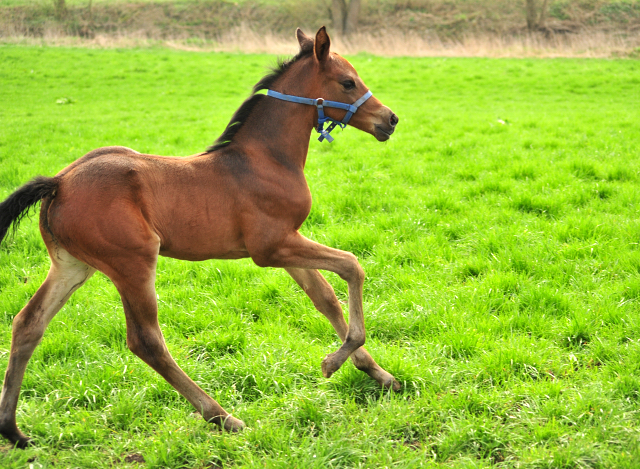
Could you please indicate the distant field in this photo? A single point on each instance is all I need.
(499, 230)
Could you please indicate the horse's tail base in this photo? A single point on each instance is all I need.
(17, 205)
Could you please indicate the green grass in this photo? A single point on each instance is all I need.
(499, 230)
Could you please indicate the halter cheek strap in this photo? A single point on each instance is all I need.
(320, 104)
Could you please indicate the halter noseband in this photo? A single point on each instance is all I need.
(321, 104)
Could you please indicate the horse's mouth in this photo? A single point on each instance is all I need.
(383, 134)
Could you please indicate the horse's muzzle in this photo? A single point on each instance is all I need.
(383, 131)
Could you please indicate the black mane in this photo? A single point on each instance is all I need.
(243, 112)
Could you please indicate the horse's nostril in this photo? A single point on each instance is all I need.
(393, 120)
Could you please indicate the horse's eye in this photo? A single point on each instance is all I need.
(349, 84)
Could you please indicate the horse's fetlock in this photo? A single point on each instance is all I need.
(355, 340)
(211, 417)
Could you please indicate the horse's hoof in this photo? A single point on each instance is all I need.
(23, 443)
(16, 437)
(19, 441)
(232, 424)
(393, 384)
(329, 366)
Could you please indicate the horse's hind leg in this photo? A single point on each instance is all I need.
(325, 301)
(145, 339)
(66, 275)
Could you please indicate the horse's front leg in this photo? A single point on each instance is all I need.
(325, 301)
(296, 251)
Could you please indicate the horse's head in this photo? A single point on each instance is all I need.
(337, 80)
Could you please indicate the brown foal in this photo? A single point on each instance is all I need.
(115, 210)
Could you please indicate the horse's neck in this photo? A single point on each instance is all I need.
(279, 130)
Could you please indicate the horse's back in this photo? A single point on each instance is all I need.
(147, 203)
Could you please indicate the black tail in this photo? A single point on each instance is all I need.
(17, 205)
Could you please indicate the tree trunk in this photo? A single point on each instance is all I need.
(351, 23)
(345, 17)
(532, 15)
(536, 17)
(543, 14)
(338, 14)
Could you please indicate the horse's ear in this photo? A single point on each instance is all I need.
(306, 42)
(322, 44)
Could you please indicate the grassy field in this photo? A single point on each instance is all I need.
(499, 230)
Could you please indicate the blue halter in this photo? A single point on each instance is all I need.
(321, 104)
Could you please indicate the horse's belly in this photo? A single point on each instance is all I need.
(194, 255)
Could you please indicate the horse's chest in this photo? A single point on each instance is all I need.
(299, 209)
(289, 200)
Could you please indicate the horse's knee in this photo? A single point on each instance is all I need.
(352, 271)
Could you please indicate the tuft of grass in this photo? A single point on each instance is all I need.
(584, 170)
(577, 334)
(536, 205)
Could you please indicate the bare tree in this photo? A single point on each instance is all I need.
(345, 16)
(536, 16)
